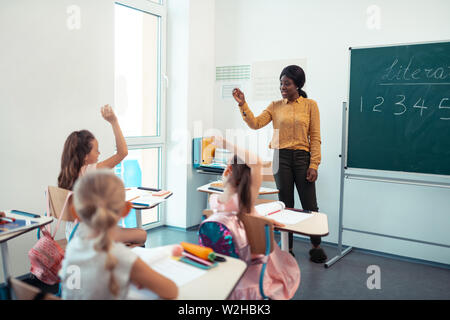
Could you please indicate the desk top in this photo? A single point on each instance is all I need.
(317, 225)
(214, 284)
(41, 221)
(262, 190)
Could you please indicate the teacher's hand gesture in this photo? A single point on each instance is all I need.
(239, 96)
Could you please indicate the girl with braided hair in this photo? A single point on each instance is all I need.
(95, 266)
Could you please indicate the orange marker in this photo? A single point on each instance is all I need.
(199, 251)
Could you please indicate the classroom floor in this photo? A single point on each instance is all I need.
(346, 279)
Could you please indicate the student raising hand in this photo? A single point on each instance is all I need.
(108, 113)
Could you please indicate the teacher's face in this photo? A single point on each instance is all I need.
(288, 88)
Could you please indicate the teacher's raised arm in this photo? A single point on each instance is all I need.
(253, 122)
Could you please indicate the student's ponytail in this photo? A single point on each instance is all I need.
(102, 221)
(241, 181)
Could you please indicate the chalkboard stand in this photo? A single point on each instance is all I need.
(341, 253)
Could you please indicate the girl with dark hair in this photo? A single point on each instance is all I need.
(242, 180)
(80, 155)
(296, 141)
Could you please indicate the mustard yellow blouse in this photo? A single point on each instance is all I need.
(296, 125)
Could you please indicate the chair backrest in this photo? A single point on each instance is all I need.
(267, 173)
(256, 235)
(24, 291)
(207, 213)
(57, 197)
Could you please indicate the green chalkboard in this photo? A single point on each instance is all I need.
(399, 108)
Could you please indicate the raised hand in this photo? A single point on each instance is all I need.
(239, 96)
(108, 113)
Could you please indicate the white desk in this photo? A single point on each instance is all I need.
(262, 190)
(215, 284)
(138, 208)
(317, 225)
(42, 221)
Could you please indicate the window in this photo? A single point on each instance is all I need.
(139, 97)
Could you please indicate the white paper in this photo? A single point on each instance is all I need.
(290, 217)
(160, 260)
(266, 208)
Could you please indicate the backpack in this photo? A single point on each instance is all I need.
(46, 255)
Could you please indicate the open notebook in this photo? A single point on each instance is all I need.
(277, 211)
(161, 260)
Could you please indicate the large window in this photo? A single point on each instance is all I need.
(139, 97)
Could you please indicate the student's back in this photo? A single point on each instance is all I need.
(282, 275)
(83, 275)
(242, 180)
(95, 266)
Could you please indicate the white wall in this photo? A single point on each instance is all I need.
(190, 65)
(322, 31)
(52, 81)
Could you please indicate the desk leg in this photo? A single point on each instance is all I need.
(284, 241)
(138, 218)
(5, 259)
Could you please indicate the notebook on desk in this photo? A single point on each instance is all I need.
(160, 260)
(277, 211)
(146, 197)
(13, 222)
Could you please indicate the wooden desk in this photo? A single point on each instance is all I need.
(215, 284)
(317, 225)
(42, 221)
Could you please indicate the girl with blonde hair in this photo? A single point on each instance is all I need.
(95, 266)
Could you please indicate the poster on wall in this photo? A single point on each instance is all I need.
(230, 77)
(265, 78)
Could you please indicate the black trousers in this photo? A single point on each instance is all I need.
(289, 168)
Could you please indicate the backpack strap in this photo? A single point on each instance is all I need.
(69, 194)
(60, 214)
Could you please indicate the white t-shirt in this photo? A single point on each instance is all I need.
(71, 224)
(83, 273)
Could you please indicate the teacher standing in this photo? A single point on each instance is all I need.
(296, 141)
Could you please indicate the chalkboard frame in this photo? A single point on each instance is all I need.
(383, 172)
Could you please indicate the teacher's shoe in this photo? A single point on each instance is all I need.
(317, 255)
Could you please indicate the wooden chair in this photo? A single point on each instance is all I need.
(56, 197)
(259, 232)
(23, 291)
(267, 172)
(207, 213)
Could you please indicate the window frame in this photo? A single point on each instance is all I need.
(158, 141)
